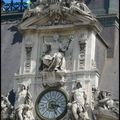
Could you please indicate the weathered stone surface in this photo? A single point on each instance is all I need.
(80, 57)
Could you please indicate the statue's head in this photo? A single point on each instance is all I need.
(46, 48)
(23, 87)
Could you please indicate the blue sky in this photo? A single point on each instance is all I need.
(8, 1)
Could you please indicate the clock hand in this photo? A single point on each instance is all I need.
(55, 105)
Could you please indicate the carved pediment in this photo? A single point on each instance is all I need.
(37, 22)
(55, 14)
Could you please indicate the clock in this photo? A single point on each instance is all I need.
(51, 104)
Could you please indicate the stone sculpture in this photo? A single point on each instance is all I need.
(38, 8)
(53, 61)
(28, 108)
(23, 105)
(69, 111)
(6, 108)
(54, 58)
(80, 6)
(78, 103)
(19, 104)
(58, 8)
(104, 102)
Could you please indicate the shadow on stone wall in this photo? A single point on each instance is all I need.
(17, 38)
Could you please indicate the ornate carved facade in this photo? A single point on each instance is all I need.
(56, 73)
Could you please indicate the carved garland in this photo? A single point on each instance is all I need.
(28, 49)
(28, 59)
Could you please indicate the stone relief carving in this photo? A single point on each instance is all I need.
(57, 9)
(82, 44)
(28, 49)
(54, 58)
(81, 8)
(103, 101)
(28, 58)
(55, 53)
(82, 55)
(69, 52)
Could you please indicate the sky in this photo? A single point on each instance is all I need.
(8, 1)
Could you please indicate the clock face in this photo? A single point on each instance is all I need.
(51, 104)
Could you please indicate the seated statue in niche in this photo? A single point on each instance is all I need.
(54, 57)
(53, 63)
(78, 103)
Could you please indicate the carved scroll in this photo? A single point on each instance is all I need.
(82, 44)
(28, 49)
(82, 55)
(28, 59)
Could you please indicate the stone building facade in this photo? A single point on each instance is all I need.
(107, 14)
(63, 54)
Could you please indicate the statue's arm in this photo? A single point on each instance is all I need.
(103, 100)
